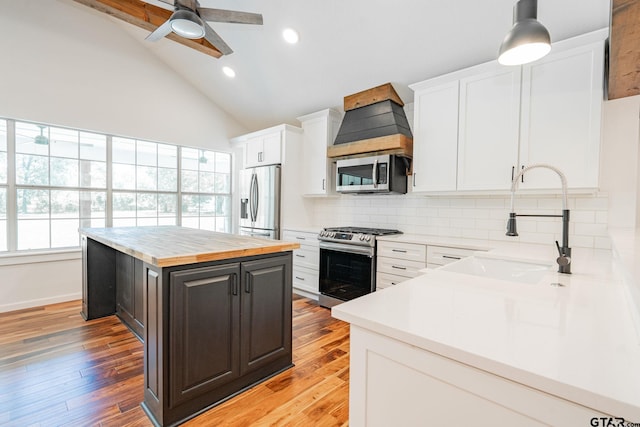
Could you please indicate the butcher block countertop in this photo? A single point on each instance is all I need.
(168, 246)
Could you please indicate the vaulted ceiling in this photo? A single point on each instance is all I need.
(348, 46)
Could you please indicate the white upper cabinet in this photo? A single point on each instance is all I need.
(561, 116)
(320, 130)
(263, 149)
(436, 127)
(488, 127)
(475, 128)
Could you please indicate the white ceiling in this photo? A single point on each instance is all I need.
(347, 46)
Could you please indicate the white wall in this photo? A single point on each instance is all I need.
(68, 65)
(619, 174)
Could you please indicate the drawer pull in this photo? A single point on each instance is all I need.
(301, 238)
(450, 257)
(300, 256)
(402, 251)
(399, 268)
(300, 278)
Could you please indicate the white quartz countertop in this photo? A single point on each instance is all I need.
(578, 341)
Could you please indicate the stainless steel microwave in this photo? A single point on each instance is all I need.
(374, 174)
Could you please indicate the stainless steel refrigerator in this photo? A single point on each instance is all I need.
(260, 201)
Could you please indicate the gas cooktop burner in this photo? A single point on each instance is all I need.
(363, 230)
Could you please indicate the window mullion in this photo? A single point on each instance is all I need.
(12, 195)
(109, 203)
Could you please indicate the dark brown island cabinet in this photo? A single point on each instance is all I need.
(213, 310)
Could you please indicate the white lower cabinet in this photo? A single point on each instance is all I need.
(398, 261)
(306, 262)
(395, 383)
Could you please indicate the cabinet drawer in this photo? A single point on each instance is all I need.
(400, 267)
(385, 280)
(303, 237)
(305, 279)
(442, 255)
(405, 251)
(307, 256)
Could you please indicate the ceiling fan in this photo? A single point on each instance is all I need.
(189, 21)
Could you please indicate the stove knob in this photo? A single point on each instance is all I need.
(368, 238)
(332, 234)
(322, 234)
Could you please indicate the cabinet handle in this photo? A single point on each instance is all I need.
(399, 250)
(399, 268)
(414, 179)
(450, 257)
(234, 284)
(323, 183)
(513, 170)
(300, 256)
(300, 278)
(301, 238)
(522, 176)
(247, 284)
(393, 283)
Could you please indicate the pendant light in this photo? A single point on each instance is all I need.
(41, 139)
(528, 39)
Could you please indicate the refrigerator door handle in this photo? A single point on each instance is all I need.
(251, 198)
(257, 198)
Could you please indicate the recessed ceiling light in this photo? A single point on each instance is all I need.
(290, 35)
(228, 71)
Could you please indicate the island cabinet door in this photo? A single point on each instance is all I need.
(204, 330)
(129, 299)
(266, 313)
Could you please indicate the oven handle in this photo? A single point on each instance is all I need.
(352, 249)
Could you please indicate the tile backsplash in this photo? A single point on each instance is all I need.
(471, 217)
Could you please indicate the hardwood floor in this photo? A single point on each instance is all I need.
(56, 369)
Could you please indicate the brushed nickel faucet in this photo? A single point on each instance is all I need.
(564, 251)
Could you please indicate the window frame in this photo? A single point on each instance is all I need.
(12, 189)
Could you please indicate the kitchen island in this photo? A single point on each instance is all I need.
(452, 348)
(213, 309)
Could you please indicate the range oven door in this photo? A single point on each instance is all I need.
(346, 272)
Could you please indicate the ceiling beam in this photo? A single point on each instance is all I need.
(148, 17)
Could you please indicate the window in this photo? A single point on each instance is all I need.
(62, 181)
(61, 178)
(3, 185)
(145, 183)
(206, 189)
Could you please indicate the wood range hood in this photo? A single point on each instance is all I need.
(374, 123)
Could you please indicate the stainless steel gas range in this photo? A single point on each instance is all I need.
(348, 263)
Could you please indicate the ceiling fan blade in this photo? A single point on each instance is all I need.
(217, 42)
(232, 16)
(160, 32)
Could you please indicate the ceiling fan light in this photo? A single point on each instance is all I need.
(528, 40)
(187, 24)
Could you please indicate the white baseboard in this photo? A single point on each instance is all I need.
(39, 302)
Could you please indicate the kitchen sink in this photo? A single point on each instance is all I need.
(514, 270)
